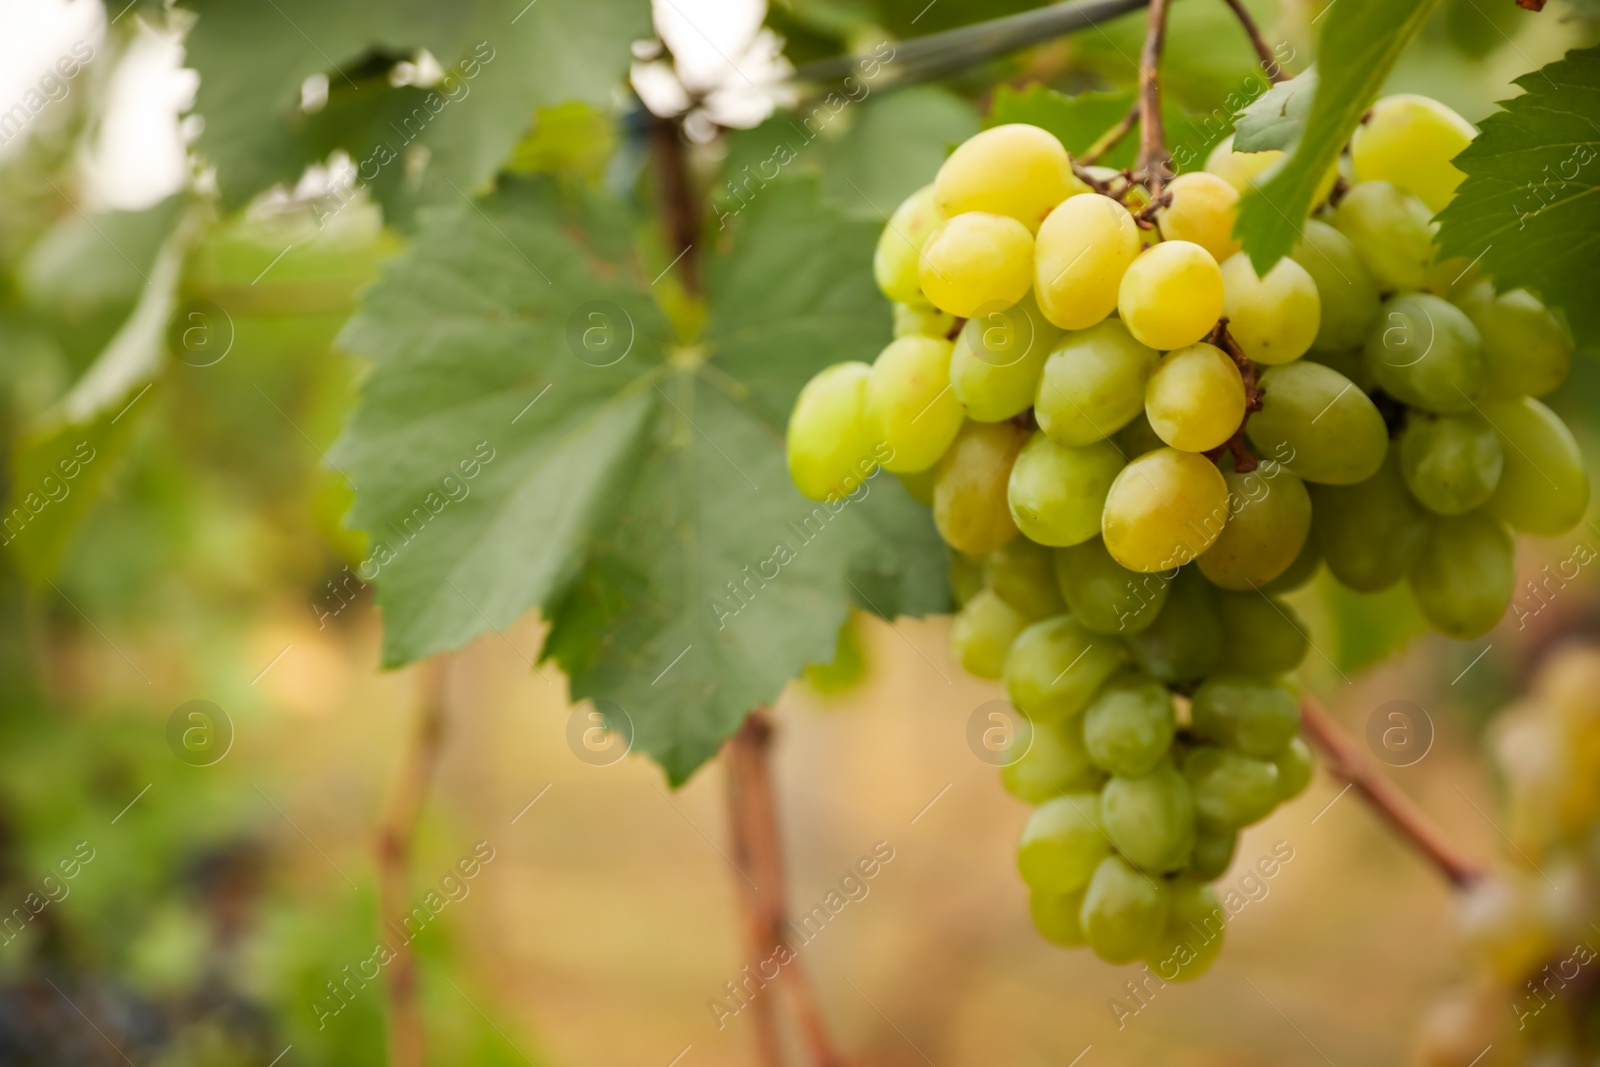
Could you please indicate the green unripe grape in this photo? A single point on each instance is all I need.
(982, 632)
(1213, 852)
(975, 261)
(1409, 140)
(1054, 761)
(1295, 766)
(1194, 398)
(894, 263)
(1302, 570)
(1191, 940)
(969, 487)
(1271, 517)
(1055, 915)
(1464, 580)
(1273, 318)
(1124, 911)
(1016, 170)
(909, 405)
(1316, 422)
(911, 320)
(1057, 492)
(1171, 295)
(1093, 384)
(1370, 534)
(1185, 641)
(1392, 232)
(1230, 789)
(1347, 295)
(829, 445)
(1248, 713)
(1138, 437)
(1130, 725)
(1203, 210)
(920, 485)
(1544, 488)
(1261, 635)
(1082, 252)
(966, 577)
(1062, 844)
(1451, 463)
(998, 358)
(1424, 351)
(1055, 667)
(1151, 818)
(1023, 575)
(1526, 351)
(1163, 510)
(1103, 595)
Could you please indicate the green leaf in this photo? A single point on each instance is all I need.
(1367, 628)
(1078, 121)
(1359, 45)
(1527, 210)
(893, 148)
(1277, 118)
(531, 436)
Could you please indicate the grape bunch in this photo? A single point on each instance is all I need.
(1134, 444)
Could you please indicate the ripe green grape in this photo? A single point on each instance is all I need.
(922, 321)
(1302, 570)
(1346, 292)
(998, 357)
(1261, 635)
(1392, 232)
(1409, 140)
(966, 576)
(1103, 595)
(1526, 351)
(1270, 519)
(1022, 574)
(1150, 818)
(1247, 170)
(969, 488)
(1544, 488)
(1295, 766)
(1213, 852)
(1124, 911)
(1082, 251)
(1371, 533)
(828, 443)
(1424, 351)
(1273, 318)
(1248, 713)
(1185, 641)
(1057, 491)
(1195, 398)
(1138, 437)
(1056, 666)
(1464, 580)
(1093, 384)
(1130, 725)
(909, 405)
(1451, 463)
(1316, 422)
(1163, 510)
(1171, 295)
(976, 261)
(1015, 170)
(1055, 915)
(1352, 363)
(1203, 209)
(982, 632)
(895, 262)
(1054, 761)
(1191, 940)
(1062, 844)
(1230, 789)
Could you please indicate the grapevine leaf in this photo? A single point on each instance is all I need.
(531, 436)
(1276, 119)
(1078, 121)
(1359, 45)
(893, 148)
(1527, 210)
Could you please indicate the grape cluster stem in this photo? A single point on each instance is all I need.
(1153, 157)
(1243, 460)
(1269, 62)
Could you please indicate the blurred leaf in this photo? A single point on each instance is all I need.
(571, 138)
(86, 262)
(849, 666)
(1077, 121)
(1531, 172)
(1369, 627)
(894, 147)
(1276, 119)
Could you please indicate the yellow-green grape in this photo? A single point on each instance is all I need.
(1055, 916)
(1271, 517)
(1124, 911)
(1392, 232)
(1130, 725)
(1016, 170)
(1053, 761)
(1195, 397)
(1163, 510)
(1294, 769)
(1247, 713)
(1507, 926)
(1093, 384)
(910, 407)
(1409, 140)
(1318, 423)
(1346, 292)
(1082, 251)
(1451, 463)
(924, 321)
(999, 356)
(1544, 488)
(1023, 574)
(847, 669)
(982, 632)
(1370, 533)
(828, 443)
(1213, 852)
(895, 261)
(1103, 595)
(1062, 844)
(976, 261)
(920, 485)
(969, 488)
(1171, 295)
(1274, 319)
(1150, 818)
(1302, 570)
(1247, 170)
(1057, 491)
(1425, 352)
(1526, 351)
(1230, 789)
(1203, 209)
(1055, 667)
(1351, 363)
(1191, 940)
(1185, 641)
(1260, 635)
(1138, 437)
(966, 577)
